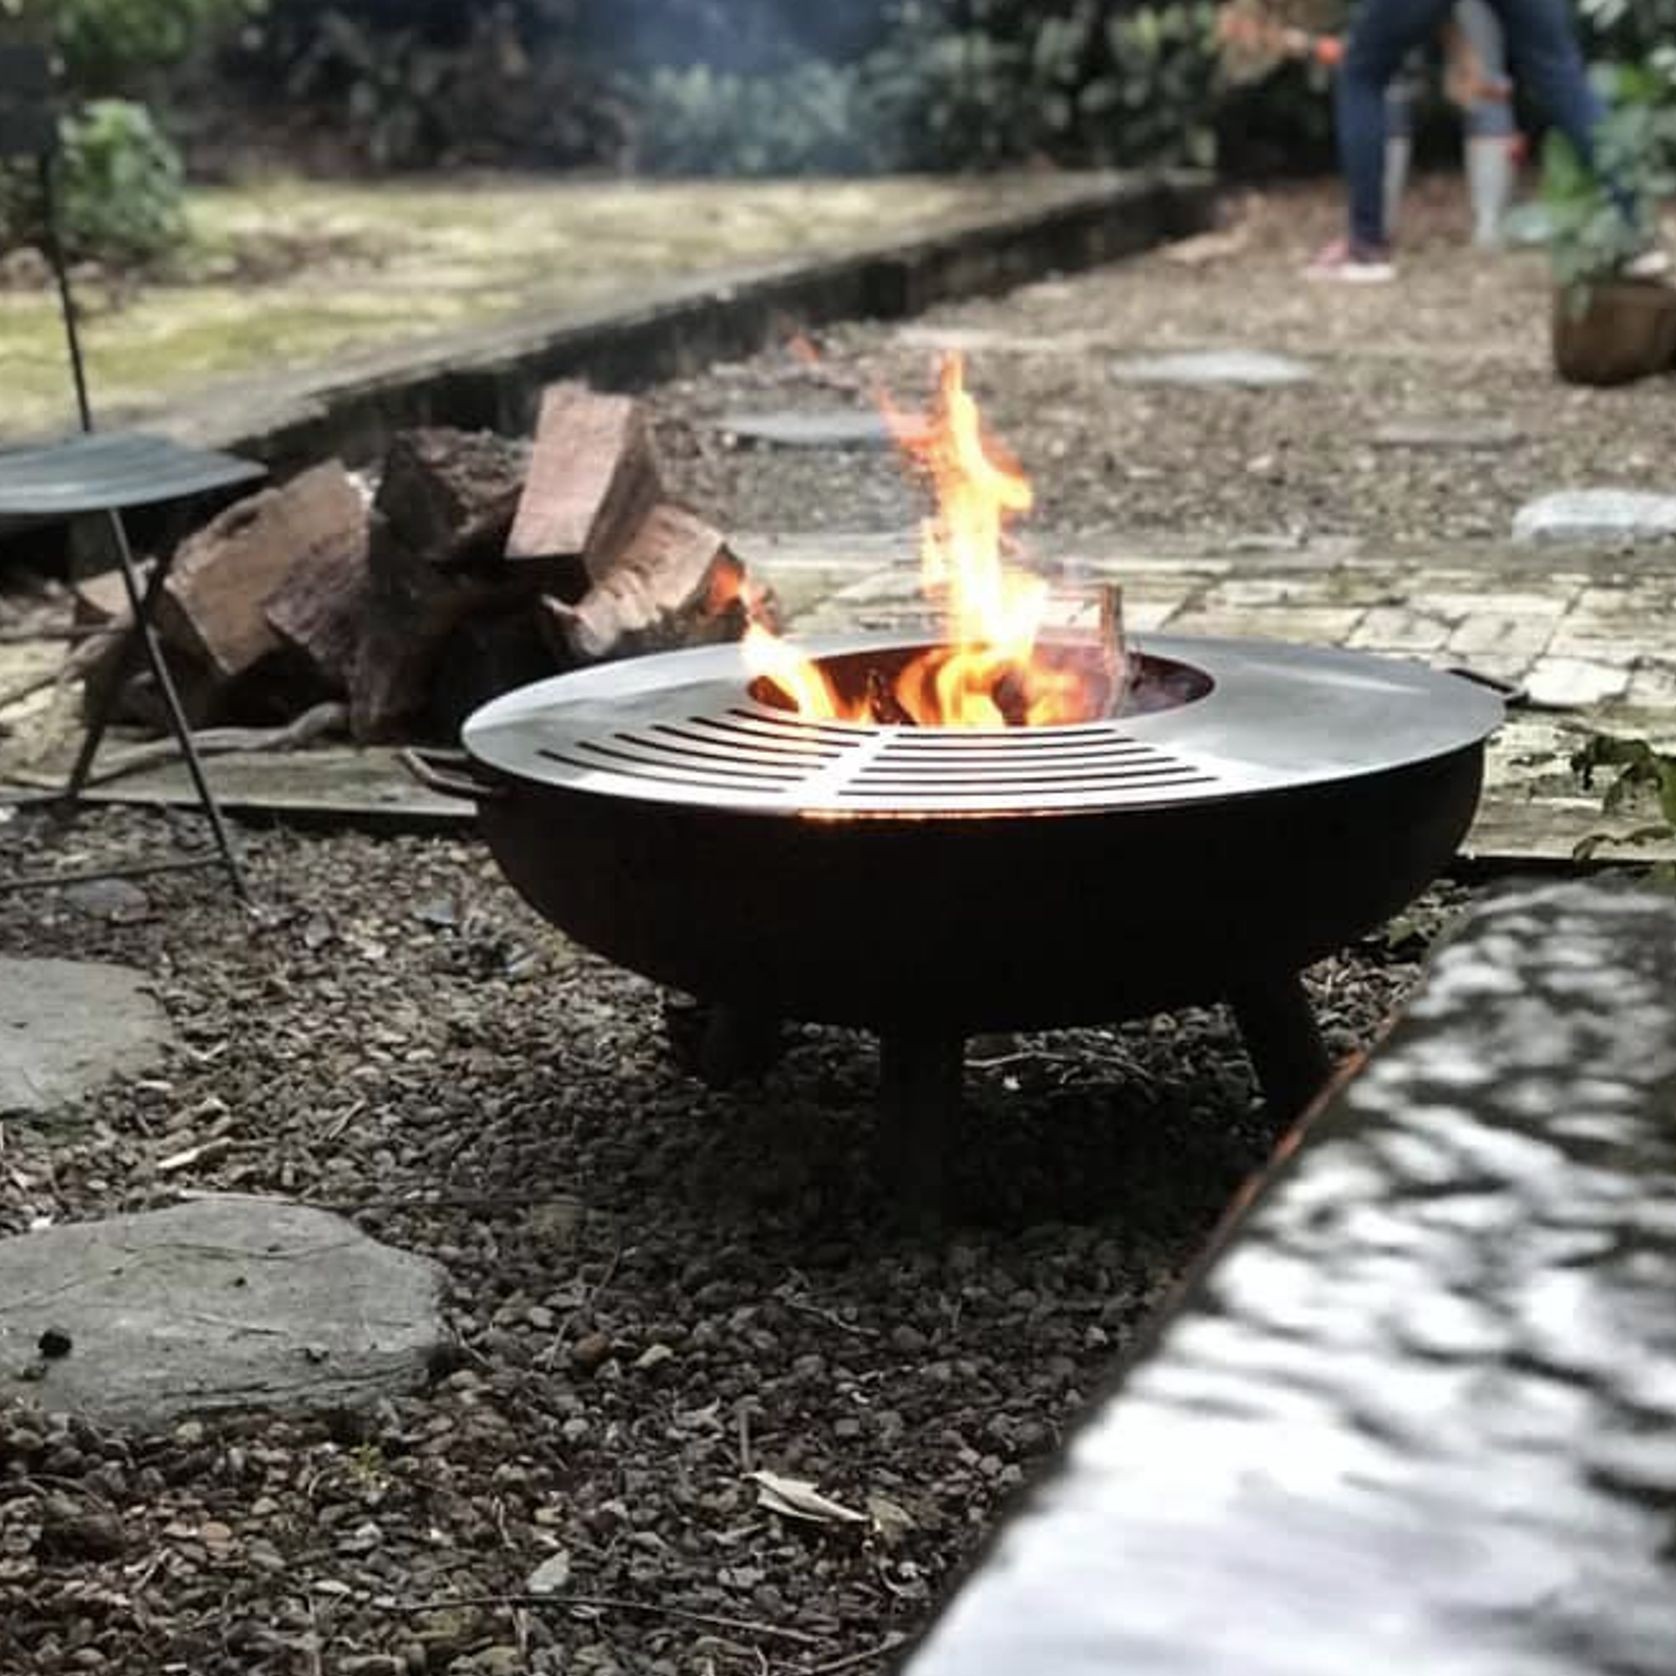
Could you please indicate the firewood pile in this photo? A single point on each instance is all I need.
(477, 564)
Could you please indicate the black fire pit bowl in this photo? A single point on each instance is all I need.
(1262, 806)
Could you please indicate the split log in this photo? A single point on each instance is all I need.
(434, 559)
(449, 496)
(676, 584)
(101, 601)
(593, 479)
(212, 604)
(488, 654)
(321, 606)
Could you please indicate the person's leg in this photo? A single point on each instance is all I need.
(1549, 62)
(1399, 144)
(1383, 34)
(1489, 121)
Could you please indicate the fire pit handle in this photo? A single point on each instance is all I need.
(1511, 693)
(461, 782)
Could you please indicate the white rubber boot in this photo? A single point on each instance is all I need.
(1489, 164)
(1399, 149)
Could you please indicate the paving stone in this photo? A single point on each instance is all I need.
(1249, 369)
(1400, 628)
(1597, 515)
(226, 1303)
(841, 428)
(67, 1026)
(1576, 683)
(1463, 435)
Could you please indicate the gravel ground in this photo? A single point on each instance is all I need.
(654, 1288)
(1463, 335)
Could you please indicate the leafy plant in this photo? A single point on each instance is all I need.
(104, 44)
(121, 188)
(1599, 214)
(1640, 774)
(122, 182)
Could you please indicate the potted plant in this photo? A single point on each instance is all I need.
(1611, 326)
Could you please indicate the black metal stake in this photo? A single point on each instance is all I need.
(920, 1081)
(142, 636)
(1284, 1043)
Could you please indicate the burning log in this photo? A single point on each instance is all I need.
(592, 481)
(883, 705)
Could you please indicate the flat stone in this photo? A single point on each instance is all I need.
(226, 1303)
(330, 783)
(66, 1027)
(1464, 435)
(1249, 369)
(1576, 683)
(841, 428)
(1597, 515)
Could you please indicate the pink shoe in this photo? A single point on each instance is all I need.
(1344, 263)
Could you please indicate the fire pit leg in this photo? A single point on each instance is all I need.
(1284, 1042)
(920, 1078)
(720, 1044)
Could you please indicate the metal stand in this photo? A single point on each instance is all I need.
(1284, 1043)
(143, 638)
(920, 1083)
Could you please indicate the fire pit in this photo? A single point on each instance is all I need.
(1001, 826)
(1263, 806)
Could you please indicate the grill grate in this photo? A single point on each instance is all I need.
(765, 753)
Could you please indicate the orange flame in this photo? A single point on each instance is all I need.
(989, 670)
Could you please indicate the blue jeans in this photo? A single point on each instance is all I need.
(1546, 58)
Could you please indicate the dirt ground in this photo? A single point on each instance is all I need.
(1462, 336)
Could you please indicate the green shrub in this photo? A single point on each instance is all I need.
(120, 189)
(123, 185)
(105, 44)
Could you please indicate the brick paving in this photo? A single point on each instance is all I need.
(1586, 635)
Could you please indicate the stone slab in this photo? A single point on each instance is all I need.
(1248, 369)
(67, 1027)
(837, 428)
(333, 783)
(1449, 435)
(225, 1303)
(1577, 515)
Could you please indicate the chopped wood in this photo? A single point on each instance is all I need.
(448, 497)
(434, 559)
(676, 583)
(321, 606)
(592, 480)
(101, 600)
(212, 602)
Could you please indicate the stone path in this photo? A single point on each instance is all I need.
(227, 1302)
(66, 1027)
(1585, 634)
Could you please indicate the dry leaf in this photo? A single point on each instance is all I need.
(551, 1575)
(891, 1521)
(796, 1498)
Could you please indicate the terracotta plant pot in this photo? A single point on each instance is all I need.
(1627, 330)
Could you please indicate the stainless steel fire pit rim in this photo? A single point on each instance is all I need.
(680, 728)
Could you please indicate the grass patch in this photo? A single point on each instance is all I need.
(284, 273)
